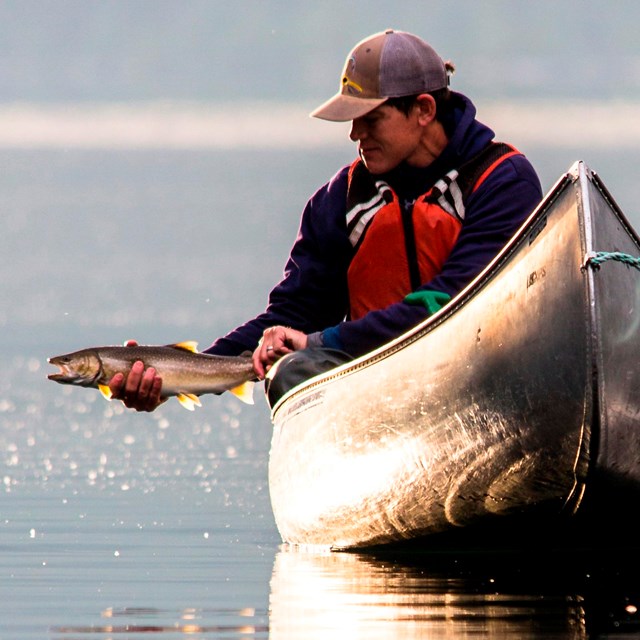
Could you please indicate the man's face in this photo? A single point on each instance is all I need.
(386, 137)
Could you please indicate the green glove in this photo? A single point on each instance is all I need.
(432, 300)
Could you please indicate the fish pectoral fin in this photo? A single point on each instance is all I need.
(105, 391)
(187, 345)
(189, 401)
(244, 391)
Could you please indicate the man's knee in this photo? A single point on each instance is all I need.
(296, 367)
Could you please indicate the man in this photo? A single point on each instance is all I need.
(391, 238)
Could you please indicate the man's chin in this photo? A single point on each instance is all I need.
(374, 163)
(373, 167)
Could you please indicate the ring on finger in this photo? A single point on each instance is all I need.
(269, 348)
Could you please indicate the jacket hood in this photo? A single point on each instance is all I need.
(467, 136)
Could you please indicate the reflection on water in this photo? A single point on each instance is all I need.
(340, 595)
(323, 594)
(221, 623)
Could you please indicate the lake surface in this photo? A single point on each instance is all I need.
(113, 524)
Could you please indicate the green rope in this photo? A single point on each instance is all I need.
(596, 258)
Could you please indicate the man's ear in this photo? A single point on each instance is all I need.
(427, 108)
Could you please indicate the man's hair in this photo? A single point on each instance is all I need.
(441, 96)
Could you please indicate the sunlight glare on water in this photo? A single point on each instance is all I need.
(104, 513)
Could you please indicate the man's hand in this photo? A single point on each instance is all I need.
(275, 343)
(141, 389)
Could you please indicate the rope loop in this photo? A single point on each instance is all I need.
(594, 259)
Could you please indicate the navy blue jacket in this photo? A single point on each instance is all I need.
(313, 295)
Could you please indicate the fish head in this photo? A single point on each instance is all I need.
(82, 368)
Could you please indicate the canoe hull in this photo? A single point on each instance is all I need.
(493, 407)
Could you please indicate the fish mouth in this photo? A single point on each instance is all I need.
(59, 377)
(64, 374)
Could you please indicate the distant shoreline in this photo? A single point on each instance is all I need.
(167, 125)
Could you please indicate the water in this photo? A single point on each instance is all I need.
(115, 524)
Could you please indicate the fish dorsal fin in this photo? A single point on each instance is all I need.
(189, 401)
(105, 391)
(187, 345)
(244, 391)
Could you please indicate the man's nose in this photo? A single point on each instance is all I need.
(358, 130)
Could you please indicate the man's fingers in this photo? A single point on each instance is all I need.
(115, 384)
(140, 390)
(258, 367)
(276, 342)
(146, 383)
(154, 395)
(133, 379)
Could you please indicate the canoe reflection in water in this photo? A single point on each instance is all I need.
(498, 596)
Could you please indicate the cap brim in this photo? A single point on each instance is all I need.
(341, 108)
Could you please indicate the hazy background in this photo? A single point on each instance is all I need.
(155, 154)
(208, 50)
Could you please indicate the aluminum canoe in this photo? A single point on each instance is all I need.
(521, 396)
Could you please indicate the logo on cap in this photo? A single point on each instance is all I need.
(349, 85)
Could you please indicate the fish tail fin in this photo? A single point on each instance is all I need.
(189, 401)
(105, 391)
(244, 391)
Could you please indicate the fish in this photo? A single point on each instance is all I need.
(186, 373)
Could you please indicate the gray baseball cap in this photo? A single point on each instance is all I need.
(385, 65)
